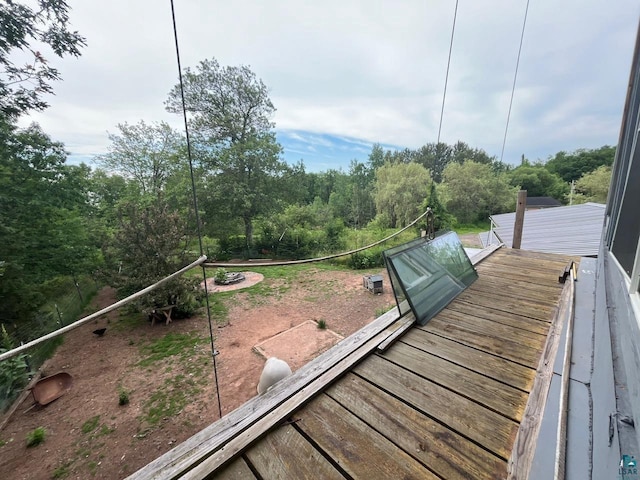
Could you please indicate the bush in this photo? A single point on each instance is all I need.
(36, 437)
(123, 397)
(371, 258)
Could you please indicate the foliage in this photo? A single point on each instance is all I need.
(538, 181)
(220, 275)
(400, 190)
(442, 220)
(147, 153)
(27, 29)
(14, 372)
(36, 437)
(322, 324)
(593, 186)
(169, 345)
(472, 191)
(572, 166)
(123, 397)
(231, 120)
(148, 246)
(90, 425)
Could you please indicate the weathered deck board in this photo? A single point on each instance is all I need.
(504, 304)
(236, 470)
(278, 456)
(506, 318)
(505, 400)
(359, 449)
(509, 290)
(447, 453)
(489, 429)
(483, 325)
(488, 342)
(493, 277)
(500, 369)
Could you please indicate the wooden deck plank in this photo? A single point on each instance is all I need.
(506, 304)
(236, 470)
(506, 318)
(484, 285)
(529, 254)
(486, 391)
(538, 264)
(449, 454)
(285, 453)
(523, 272)
(500, 330)
(548, 285)
(501, 347)
(500, 369)
(487, 428)
(360, 450)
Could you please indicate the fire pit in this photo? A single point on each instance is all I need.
(229, 278)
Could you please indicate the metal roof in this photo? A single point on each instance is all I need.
(573, 230)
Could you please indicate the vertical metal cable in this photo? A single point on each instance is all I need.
(515, 76)
(195, 205)
(446, 78)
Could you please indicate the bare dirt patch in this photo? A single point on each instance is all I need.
(89, 435)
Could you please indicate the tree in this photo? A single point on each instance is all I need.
(593, 186)
(572, 166)
(538, 181)
(150, 244)
(44, 206)
(25, 29)
(231, 114)
(472, 191)
(399, 192)
(147, 153)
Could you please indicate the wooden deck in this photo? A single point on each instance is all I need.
(446, 400)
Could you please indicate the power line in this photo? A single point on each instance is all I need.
(446, 78)
(515, 76)
(195, 205)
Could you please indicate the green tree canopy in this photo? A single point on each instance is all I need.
(231, 114)
(593, 186)
(572, 166)
(146, 153)
(538, 181)
(473, 191)
(27, 28)
(399, 192)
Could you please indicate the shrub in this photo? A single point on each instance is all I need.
(322, 325)
(36, 437)
(220, 275)
(123, 397)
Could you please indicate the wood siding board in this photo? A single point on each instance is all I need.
(236, 470)
(506, 318)
(478, 388)
(487, 428)
(498, 368)
(447, 453)
(286, 454)
(359, 449)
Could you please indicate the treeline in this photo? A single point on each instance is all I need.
(131, 221)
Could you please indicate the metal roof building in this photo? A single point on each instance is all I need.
(573, 230)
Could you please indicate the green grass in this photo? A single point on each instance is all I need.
(169, 345)
(62, 471)
(381, 311)
(91, 424)
(478, 227)
(36, 437)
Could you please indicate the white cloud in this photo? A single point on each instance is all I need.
(368, 70)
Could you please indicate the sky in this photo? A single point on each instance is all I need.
(346, 74)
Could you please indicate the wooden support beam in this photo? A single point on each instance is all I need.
(517, 227)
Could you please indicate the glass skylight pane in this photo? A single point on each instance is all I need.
(428, 274)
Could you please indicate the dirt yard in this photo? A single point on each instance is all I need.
(165, 372)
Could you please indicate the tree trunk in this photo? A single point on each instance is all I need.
(248, 231)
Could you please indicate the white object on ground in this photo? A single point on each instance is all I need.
(274, 371)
